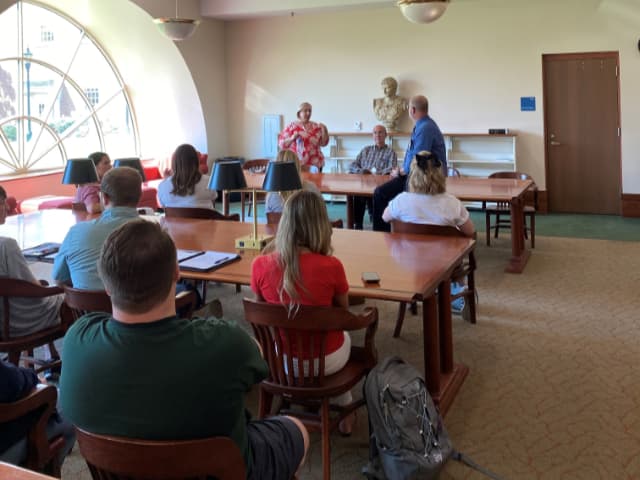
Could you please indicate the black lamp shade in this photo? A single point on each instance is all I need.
(281, 176)
(78, 171)
(133, 162)
(227, 176)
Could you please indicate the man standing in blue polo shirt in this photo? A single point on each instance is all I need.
(427, 136)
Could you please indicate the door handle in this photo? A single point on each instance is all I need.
(553, 143)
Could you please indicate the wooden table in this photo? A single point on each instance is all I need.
(411, 267)
(466, 189)
(11, 472)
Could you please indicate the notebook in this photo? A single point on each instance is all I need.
(40, 251)
(199, 261)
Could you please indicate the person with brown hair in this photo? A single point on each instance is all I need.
(304, 138)
(89, 193)
(76, 261)
(143, 372)
(187, 187)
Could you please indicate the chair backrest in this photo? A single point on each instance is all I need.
(132, 459)
(258, 165)
(453, 172)
(532, 191)
(277, 332)
(201, 213)
(273, 218)
(84, 301)
(512, 175)
(11, 287)
(425, 229)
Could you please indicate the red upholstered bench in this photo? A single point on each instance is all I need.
(44, 202)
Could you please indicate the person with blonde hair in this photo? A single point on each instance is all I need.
(187, 187)
(304, 138)
(301, 270)
(275, 200)
(427, 201)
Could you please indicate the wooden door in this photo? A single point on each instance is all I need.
(582, 134)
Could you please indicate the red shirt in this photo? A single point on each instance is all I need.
(322, 276)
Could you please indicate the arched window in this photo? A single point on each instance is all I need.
(60, 95)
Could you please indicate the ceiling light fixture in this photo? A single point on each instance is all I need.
(422, 11)
(176, 28)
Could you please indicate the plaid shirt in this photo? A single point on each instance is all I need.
(383, 159)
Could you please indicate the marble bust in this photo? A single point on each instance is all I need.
(391, 107)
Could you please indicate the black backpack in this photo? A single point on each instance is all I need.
(408, 439)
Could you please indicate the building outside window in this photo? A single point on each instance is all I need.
(60, 95)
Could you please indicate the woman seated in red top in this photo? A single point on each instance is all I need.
(301, 271)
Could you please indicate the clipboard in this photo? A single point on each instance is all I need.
(205, 261)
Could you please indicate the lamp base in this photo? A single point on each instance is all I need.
(250, 243)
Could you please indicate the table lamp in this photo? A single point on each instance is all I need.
(132, 162)
(229, 176)
(79, 171)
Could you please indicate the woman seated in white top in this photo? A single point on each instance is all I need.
(186, 187)
(427, 200)
(274, 202)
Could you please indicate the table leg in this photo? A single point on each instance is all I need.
(519, 252)
(444, 327)
(225, 202)
(350, 212)
(431, 345)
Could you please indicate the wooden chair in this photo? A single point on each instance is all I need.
(200, 213)
(114, 458)
(276, 332)
(81, 302)
(42, 453)
(453, 172)
(502, 211)
(14, 346)
(273, 218)
(464, 271)
(254, 166)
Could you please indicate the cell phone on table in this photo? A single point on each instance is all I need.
(370, 277)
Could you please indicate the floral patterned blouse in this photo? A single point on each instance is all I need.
(307, 145)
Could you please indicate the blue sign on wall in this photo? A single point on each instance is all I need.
(528, 104)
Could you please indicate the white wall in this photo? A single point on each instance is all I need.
(474, 64)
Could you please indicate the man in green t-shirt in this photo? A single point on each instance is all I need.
(144, 373)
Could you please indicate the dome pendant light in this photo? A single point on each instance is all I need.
(422, 11)
(176, 28)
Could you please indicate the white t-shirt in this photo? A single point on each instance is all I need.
(441, 209)
(274, 202)
(202, 197)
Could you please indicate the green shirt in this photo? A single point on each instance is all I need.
(171, 379)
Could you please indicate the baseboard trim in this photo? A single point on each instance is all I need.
(631, 205)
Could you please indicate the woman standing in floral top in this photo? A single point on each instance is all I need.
(305, 138)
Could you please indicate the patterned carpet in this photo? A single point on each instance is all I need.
(554, 384)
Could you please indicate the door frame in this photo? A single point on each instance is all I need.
(577, 56)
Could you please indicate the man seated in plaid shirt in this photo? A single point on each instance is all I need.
(378, 159)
